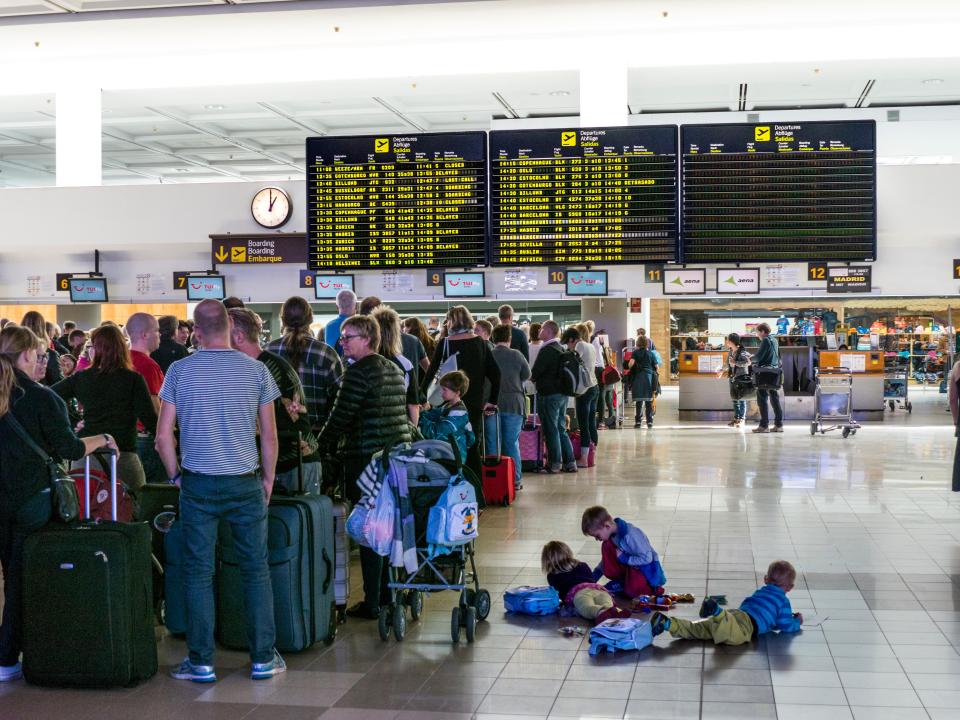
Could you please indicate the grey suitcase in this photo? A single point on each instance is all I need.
(341, 583)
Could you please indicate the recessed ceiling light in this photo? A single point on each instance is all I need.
(560, 93)
(213, 107)
(182, 170)
(933, 81)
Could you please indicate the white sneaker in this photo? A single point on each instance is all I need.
(10, 672)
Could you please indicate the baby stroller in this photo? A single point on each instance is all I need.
(419, 474)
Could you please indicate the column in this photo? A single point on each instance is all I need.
(603, 93)
(659, 330)
(79, 156)
(608, 314)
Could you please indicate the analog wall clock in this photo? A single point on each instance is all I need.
(271, 207)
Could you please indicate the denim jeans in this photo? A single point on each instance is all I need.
(14, 529)
(587, 416)
(510, 426)
(605, 406)
(205, 501)
(739, 409)
(553, 415)
(774, 396)
(153, 469)
(288, 482)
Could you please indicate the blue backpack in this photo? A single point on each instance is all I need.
(453, 520)
(620, 634)
(530, 600)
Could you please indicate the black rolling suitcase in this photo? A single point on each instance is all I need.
(88, 610)
(158, 505)
(300, 550)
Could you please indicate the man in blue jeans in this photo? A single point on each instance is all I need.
(501, 430)
(551, 401)
(218, 396)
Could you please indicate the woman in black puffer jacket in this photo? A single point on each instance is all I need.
(369, 412)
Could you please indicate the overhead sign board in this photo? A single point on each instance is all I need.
(738, 281)
(258, 249)
(849, 279)
(684, 282)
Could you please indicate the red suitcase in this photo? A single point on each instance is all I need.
(498, 476)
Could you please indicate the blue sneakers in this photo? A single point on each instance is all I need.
(195, 673)
(264, 671)
(10, 672)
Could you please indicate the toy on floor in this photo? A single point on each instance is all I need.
(648, 603)
(573, 630)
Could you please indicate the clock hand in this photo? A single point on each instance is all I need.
(270, 208)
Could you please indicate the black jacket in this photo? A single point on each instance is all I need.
(546, 369)
(44, 416)
(518, 341)
(169, 352)
(369, 412)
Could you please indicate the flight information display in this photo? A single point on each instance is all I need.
(401, 201)
(795, 192)
(588, 195)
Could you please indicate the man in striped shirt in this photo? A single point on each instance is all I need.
(218, 396)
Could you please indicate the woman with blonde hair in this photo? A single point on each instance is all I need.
(52, 372)
(392, 349)
(475, 360)
(25, 502)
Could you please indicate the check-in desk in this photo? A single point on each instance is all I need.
(866, 366)
(704, 397)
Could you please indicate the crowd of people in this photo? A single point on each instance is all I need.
(205, 405)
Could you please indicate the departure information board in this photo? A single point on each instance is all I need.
(588, 195)
(779, 191)
(400, 201)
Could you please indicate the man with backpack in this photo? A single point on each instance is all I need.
(555, 387)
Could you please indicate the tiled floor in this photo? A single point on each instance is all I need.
(869, 522)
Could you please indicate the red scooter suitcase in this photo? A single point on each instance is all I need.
(498, 475)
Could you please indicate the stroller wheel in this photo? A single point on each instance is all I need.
(846, 432)
(455, 623)
(481, 601)
(415, 601)
(892, 405)
(813, 428)
(910, 408)
(384, 622)
(399, 622)
(470, 622)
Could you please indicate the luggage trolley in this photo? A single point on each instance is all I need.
(896, 384)
(833, 402)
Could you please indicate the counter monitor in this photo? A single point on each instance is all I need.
(397, 201)
(587, 282)
(769, 191)
(464, 285)
(88, 289)
(205, 287)
(589, 195)
(327, 287)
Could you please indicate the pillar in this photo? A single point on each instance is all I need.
(659, 330)
(79, 121)
(603, 93)
(608, 314)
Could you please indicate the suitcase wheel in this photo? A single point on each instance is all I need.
(334, 621)
(341, 614)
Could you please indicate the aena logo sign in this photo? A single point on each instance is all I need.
(681, 282)
(733, 281)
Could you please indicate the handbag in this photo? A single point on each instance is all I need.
(63, 491)
(768, 378)
(449, 364)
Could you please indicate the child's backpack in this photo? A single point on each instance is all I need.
(620, 634)
(573, 377)
(453, 520)
(530, 600)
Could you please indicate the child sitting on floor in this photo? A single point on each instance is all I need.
(628, 559)
(573, 581)
(766, 610)
(451, 418)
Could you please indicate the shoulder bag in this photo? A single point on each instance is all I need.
(449, 364)
(66, 502)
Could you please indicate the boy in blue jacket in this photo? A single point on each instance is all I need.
(451, 418)
(628, 558)
(766, 610)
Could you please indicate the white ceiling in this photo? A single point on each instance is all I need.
(257, 132)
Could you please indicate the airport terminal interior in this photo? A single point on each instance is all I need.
(783, 175)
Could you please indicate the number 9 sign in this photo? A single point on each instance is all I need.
(434, 278)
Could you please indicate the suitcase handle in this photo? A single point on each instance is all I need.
(329, 565)
(113, 454)
(496, 416)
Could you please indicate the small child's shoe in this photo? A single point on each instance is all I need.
(710, 607)
(658, 623)
(608, 614)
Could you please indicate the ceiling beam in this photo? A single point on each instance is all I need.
(390, 108)
(506, 105)
(221, 135)
(290, 118)
(160, 150)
